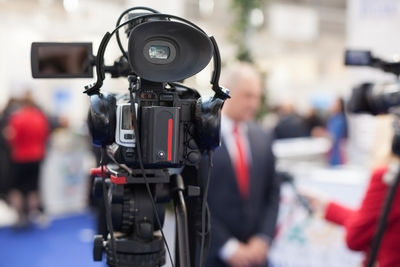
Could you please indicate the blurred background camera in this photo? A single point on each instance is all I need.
(373, 98)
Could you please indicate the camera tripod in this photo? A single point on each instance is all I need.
(134, 218)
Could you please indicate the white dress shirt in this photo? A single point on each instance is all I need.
(227, 125)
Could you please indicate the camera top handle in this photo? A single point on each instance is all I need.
(92, 89)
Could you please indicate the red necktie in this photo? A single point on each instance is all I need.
(240, 164)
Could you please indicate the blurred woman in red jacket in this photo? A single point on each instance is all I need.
(27, 133)
(361, 223)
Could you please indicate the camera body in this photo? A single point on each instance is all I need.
(174, 124)
(167, 127)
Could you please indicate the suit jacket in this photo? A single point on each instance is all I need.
(231, 216)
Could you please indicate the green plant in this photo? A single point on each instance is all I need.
(241, 26)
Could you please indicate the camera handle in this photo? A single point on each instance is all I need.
(220, 92)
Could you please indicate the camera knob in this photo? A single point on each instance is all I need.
(194, 157)
(192, 130)
(192, 144)
(98, 248)
(145, 230)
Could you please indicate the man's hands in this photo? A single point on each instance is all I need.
(258, 250)
(240, 258)
(250, 254)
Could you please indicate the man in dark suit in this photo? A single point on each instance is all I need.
(243, 193)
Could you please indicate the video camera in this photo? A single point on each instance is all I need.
(368, 97)
(158, 125)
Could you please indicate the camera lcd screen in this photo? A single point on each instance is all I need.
(159, 52)
(358, 58)
(61, 60)
(127, 118)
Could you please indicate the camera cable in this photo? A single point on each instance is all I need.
(122, 166)
(139, 153)
(119, 21)
(107, 207)
(205, 212)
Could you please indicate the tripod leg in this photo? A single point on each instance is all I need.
(182, 235)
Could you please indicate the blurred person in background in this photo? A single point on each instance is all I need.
(361, 223)
(244, 191)
(27, 132)
(270, 119)
(336, 128)
(5, 158)
(315, 123)
(290, 123)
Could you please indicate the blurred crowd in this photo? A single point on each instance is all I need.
(325, 122)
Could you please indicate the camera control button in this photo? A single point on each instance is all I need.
(161, 154)
(128, 136)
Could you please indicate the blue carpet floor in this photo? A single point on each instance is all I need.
(66, 242)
